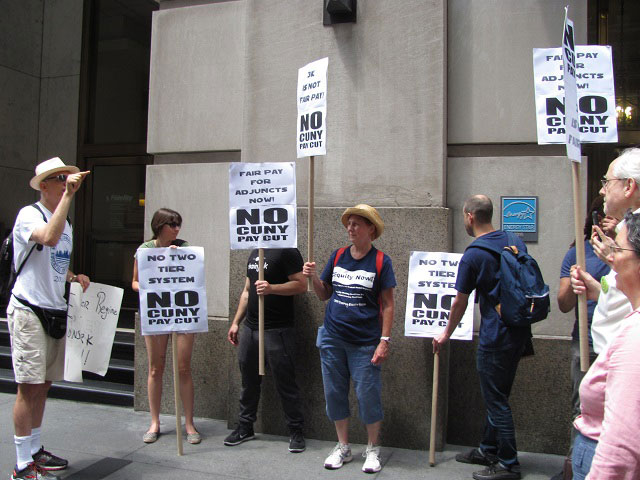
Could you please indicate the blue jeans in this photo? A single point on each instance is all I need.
(583, 451)
(342, 361)
(497, 370)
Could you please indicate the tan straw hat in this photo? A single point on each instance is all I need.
(48, 168)
(367, 212)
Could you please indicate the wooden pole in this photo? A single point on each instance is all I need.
(310, 214)
(261, 314)
(578, 220)
(434, 409)
(176, 390)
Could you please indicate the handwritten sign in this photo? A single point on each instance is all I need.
(92, 318)
(430, 293)
(262, 205)
(311, 134)
(173, 296)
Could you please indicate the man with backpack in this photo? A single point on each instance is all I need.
(42, 244)
(500, 346)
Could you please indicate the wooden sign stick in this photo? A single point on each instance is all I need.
(434, 409)
(310, 214)
(176, 390)
(578, 214)
(261, 314)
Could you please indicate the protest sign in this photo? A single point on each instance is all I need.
(595, 93)
(173, 296)
(430, 293)
(262, 205)
(92, 318)
(570, 90)
(311, 134)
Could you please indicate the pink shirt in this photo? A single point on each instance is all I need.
(610, 405)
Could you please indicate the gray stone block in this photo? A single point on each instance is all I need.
(62, 46)
(58, 132)
(407, 374)
(540, 398)
(21, 36)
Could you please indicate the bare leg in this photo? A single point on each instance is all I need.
(342, 429)
(28, 409)
(373, 432)
(185, 349)
(156, 353)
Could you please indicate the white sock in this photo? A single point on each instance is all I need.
(23, 451)
(35, 440)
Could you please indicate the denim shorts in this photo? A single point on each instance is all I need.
(341, 362)
(584, 449)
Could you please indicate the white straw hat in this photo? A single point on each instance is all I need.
(48, 168)
(367, 212)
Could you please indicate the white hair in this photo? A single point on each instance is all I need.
(628, 165)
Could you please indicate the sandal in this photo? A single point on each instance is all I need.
(150, 437)
(194, 438)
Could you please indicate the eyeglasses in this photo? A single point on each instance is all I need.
(61, 178)
(618, 249)
(604, 181)
(174, 225)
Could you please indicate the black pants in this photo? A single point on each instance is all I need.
(279, 345)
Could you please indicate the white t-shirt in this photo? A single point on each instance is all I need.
(613, 306)
(43, 277)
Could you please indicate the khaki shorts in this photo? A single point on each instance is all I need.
(36, 356)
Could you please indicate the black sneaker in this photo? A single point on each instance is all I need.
(476, 457)
(296, 442)
(498, 472)
(32, 472)
(47, 461)
(242, 433)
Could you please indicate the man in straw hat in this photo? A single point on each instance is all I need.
(42, 240)
(499, 346)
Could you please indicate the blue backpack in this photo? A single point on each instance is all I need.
(523, 297)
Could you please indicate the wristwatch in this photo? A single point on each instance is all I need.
(386, 339)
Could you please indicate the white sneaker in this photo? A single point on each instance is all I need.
(340, 454)
(372, 459)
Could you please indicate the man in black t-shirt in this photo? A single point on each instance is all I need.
(282, 279)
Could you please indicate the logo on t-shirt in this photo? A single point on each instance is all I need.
(61, 255)
(255, 266)
(357, 277)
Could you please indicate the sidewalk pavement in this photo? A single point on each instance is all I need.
(105, 442)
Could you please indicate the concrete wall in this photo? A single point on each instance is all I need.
(196, 78)
(490, 65)
(39, 80)
(385, 101)
(200, 193)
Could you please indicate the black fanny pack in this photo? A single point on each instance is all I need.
(53, 321)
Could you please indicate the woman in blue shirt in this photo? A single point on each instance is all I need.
(358, 281)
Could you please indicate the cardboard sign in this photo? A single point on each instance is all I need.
(430, 293)
(92, 318)
(570, 90)
(595, 90)
(173, 296)
(311, 134)
(262, 205)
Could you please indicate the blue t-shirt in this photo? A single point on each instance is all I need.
(353, 311)
(596, 268)
(478, 270)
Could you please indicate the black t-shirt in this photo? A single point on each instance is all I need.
(279, 263)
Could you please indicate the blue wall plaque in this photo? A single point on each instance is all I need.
(520, 216)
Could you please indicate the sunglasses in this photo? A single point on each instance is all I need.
(61, 178)
(174, 224)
